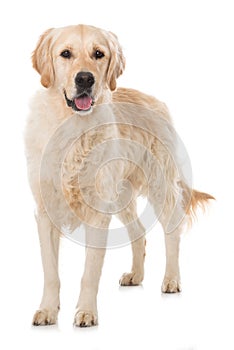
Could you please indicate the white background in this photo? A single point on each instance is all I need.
(181, 52)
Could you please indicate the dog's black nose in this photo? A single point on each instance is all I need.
(84, 80)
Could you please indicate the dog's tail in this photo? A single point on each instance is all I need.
(192, 200)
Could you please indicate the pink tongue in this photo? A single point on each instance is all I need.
(84, 103)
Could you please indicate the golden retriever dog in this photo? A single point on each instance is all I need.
(92, 150)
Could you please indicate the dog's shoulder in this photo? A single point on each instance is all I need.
(43, 119)
(126, 95)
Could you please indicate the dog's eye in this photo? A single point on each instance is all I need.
(98, 54)
(66, 54)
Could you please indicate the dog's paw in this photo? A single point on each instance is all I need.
(85, 319)
(45, 317)
(171, 285)
(131, 279)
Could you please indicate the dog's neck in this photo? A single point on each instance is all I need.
(105, 97)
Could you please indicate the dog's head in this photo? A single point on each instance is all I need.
(81, 62)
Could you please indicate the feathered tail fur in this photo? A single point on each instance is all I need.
(194, 199)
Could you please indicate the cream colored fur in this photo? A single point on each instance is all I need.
(61, 141)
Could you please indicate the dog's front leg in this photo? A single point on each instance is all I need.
(86, 312)
(49, 240)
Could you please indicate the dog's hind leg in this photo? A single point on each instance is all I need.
(169, 210)
(136, 233)
(171, 282)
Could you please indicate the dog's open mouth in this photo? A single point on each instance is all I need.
(83, 102)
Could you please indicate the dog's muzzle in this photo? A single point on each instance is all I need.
(83, 101)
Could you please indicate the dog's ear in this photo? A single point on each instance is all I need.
(42, 59)
(117, 61)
